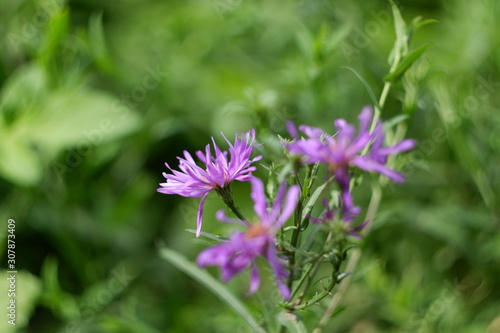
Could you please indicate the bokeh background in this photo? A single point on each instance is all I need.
(95, 96)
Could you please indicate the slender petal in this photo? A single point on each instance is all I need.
(218, 172)
(292, 129)
(259, 240)
(260, 202)
(221, 216)
(254, 279)
(200, 214)
(292, 198)
(346, 150)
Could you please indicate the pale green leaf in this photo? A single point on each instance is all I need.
(85, 117)
(395, 121)
(19, 163)
(27, 290)
(24, 89)
(312, 200)
(418, 23)
(400, 27)
(406, 63)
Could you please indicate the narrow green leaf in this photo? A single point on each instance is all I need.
(271, 182)
(418, 23)
(367, 86)
(327, 42)
(395, 121)
(305, 41)
(207, 235)
(56, 30)
(401, 30)
(406, 63)
(285, 171)
(53, 296)
(292, 322)
(97, 44)
(338, 36)
(211, 284)
(343, 275)
(312, 200)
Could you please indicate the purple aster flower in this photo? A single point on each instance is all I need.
(194, 181)
(329, 216)
(345, 150)
(259, 239)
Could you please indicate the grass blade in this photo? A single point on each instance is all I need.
(211, 284)
(367, 86)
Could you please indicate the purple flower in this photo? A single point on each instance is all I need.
(346, 149)
(194, 181)
(243, 248)
(329, 216)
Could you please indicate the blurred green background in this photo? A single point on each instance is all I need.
(96, 96)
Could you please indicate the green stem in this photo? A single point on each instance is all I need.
(352, 262)
(235, 210)
(226, 194)
(316, 265)
(310, 277)
(302, 279)
(318, 297)
(372, 208)
(294, 241)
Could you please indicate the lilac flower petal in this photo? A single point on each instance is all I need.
(284, 290)
(220, 157)
(378, 137)
(279, 271)
(365, 118)
(194, 181)
(254, 279)
(349, 149)
(352, 233)
(213, 256)
(238, 261)
(346, 132)
(329, 213)
(221, 216)
(242, 249)
(400, 147)
(278, 202)
(259, 198)
(373, 166)
(311, 132)
(200, 214)
(290, 204)
(292, 129)
(325, 203)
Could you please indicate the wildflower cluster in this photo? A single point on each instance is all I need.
(294, 253)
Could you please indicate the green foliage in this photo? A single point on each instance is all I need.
(95, 97)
